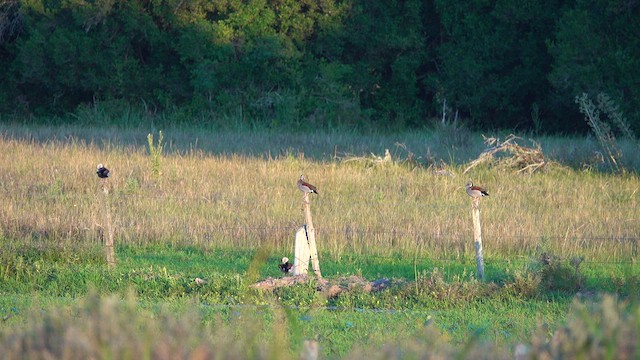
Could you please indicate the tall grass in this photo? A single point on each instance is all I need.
(246, 196)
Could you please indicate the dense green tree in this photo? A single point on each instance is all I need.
(383, 43)
(390, 64)
(74, 52)
(597, 50)
(494, 60)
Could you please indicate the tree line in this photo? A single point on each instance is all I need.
(322, 63)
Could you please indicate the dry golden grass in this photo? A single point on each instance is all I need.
(50, 193)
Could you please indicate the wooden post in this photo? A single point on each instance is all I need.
(301, 252)
(477, 237)
(311, 235)
(108, 239)
(310, 350)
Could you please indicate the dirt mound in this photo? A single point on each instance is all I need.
(330, 288)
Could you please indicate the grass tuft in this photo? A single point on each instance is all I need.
(155, 151)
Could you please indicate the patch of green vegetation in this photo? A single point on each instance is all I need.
(170, 271)
(191, 328)
(445, 297)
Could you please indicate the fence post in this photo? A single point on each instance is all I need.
(477, 237)
(310, 350)
(108, 240)
(301, 252)
(311, 235)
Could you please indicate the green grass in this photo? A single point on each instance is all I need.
(163, 278)
(224, 208)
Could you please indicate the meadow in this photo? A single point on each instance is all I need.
(222, 206)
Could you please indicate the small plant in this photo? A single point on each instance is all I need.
(525, 284)
(557, 274)
(609, 107)
(155, 150)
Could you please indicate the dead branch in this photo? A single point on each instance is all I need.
(510, 154)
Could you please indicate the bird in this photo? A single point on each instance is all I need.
(305, 187)
(102, 172)
(285, 266)
(476, 191)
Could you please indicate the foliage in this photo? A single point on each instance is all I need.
(494, 59)
(308, 64)
(595, 50)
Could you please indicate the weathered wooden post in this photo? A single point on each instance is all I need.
(302, 253)
(477, 237)
(476, 193)
(307, 189)
(103, 174)
(311, 236)
(310, 350)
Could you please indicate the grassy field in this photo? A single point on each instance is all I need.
(223, 207)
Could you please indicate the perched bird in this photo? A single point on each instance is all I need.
(102, 172)
(305, 187)
(285, 266)
(476, 191)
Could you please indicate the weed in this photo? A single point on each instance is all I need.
(155, 151)
(601, 129)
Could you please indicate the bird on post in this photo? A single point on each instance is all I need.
(476, 191)
(102, 172)
(305, 187)
(285, 266)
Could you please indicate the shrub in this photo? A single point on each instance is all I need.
(557, 274)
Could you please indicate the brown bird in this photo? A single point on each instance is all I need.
(476, 191)
(305, 187)
(102, 172)
(285, 266)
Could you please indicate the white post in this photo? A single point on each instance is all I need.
(311, 235)
(477, 237)
(301, 252)
(108, 240)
